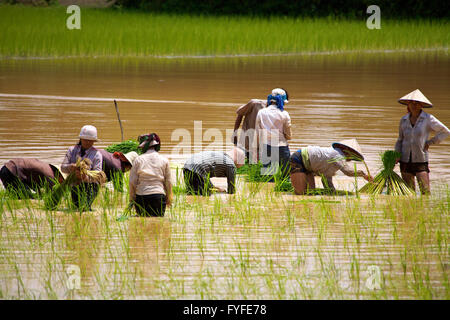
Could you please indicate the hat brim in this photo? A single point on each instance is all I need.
(348, 150)
(88, 138)
(423, 104)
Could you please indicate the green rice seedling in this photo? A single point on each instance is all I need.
(109, 32)
(124, 147)
(388, 179)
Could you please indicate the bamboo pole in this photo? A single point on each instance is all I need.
(118, 117)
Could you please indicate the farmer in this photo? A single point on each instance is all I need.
(312, 161)
(248, 113)
(413, 143)
(207, 164)
(22, 175)
(273, 126)
(115, 165)
(150, 184)
(86, 188)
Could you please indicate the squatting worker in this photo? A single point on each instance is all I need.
(207, 164)
(22, 175)
(273, 126)
(115, 165)
(413, 139)
(150, 184)
(85, 189)
(313, 161)
(247, 139)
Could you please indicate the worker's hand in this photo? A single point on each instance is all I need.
(368, 177)
(425, 148)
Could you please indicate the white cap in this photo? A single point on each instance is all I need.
(88, 132)
(281, 92)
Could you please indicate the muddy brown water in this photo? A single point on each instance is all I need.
(188, 254)
(44, 103)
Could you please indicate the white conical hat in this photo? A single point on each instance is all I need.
(418, 96)
(350, 146)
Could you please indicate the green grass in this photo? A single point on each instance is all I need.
(42, 32)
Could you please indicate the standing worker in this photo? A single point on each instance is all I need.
(24, 175)
(413, 143)
(86, 188)
(273, 125)
(247, 114)
(115, 165)
(312, 161)
(150, 179)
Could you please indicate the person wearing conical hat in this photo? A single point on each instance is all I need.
(312, 161)
(413, 139)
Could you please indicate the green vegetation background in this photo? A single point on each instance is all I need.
(41, 32)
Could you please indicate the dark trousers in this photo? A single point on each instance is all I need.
(195, 183)
(283, 158)
(83, 195)
(152, 205)
(14, 184)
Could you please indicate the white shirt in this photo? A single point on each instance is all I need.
(150, 174)
(273, 126)
(411, 140)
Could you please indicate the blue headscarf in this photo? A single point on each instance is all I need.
(279, 99)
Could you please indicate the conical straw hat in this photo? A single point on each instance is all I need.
(418, 96)
(350, 147)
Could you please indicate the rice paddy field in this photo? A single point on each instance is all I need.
(42, 32)
(257, 244)
(180, 72)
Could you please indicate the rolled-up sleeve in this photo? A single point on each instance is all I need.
(441, 130)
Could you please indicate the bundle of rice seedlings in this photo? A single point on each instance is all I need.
(52, 201)
(124, 147)
(387, 179)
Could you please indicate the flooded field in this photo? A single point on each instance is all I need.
(255, 244)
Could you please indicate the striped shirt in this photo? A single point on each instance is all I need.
(214, 164)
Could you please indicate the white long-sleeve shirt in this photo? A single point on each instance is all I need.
(273, 126)
(150, 174)
(411, 140)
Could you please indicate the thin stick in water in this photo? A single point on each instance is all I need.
(118, 117)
